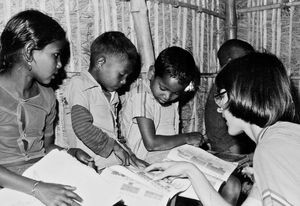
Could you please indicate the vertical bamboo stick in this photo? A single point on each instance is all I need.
(69, 32)
(273, 29)
(102, 16)
(207, 37)
(257, 27)
(164, 25)
(202, 38)
(211, 53)
(96, 18)
(114, 15)
(78, 34)
(218, 28)
(123, 16)
(249, 17)
(178, 26)
(292, 10)
(278, 44)
(171, 24)
(253, 25)
(265, 27)
(194, 35)
(143, 34)
(230, 22)
(197, 25)
(156, 37)
(184, 25)
(107, 12)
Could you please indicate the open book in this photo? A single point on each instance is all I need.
(136, 187)
(215, 169)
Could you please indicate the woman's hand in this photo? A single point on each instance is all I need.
(171, 169)
(56, 194)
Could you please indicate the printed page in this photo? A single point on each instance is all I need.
(206, 162)
(139, 188)
(60, 167)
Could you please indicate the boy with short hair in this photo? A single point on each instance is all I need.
(216, 128)
(92, 99)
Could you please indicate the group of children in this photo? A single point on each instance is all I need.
(146, 127)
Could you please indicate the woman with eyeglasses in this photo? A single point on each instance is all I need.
(254, 97)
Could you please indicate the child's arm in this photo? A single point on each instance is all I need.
(155, 142)
(93, 137)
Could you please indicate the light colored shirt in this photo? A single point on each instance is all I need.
(276, 165)
(23, 125)
(140, 102)
(85, 91)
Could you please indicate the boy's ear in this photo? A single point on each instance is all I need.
(28, 51)
(151, 72)
(100, 61)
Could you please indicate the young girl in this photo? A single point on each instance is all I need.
(149, 117)
(31, 46)
(254, 96)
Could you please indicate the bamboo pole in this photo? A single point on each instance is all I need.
(202, 39)
(278, 43)
(253, 25)
(179, 4)
(257, 27)
(249, 17)
(230, 20)
(69, 32)
(265, 27)
(7, 13)
(114, 15)
(197, 25)
(143, 34)
(78, 32)
(268, 7)
(194, 35)
(164, 25)
(123, 16)
(171, 25)
(107, 16)
(184, 25)
(292, 10)
(156, 34)
(273, 29)
(96, 18)
(178, 26)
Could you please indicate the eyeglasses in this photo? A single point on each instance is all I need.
(221, 99)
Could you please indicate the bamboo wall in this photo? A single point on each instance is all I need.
(273, 26)
(192, 24)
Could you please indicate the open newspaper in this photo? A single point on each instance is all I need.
(136, 187)
(115, 183)
(215, 169)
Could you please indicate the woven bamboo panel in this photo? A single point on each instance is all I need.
(274, 26)
(84, 20)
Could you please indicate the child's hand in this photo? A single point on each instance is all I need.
(56, 194)
(82, 156)
(121, 154)
(136, 162)
(195, 138)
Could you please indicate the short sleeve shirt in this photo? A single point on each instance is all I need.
(24, 123)
(276, 165)
(140, 102)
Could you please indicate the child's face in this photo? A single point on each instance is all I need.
(166, 89)
(46, 62)
(113, 73)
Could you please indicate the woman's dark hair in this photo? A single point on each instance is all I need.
(178, 63)
(258, 89)
(26, 26)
